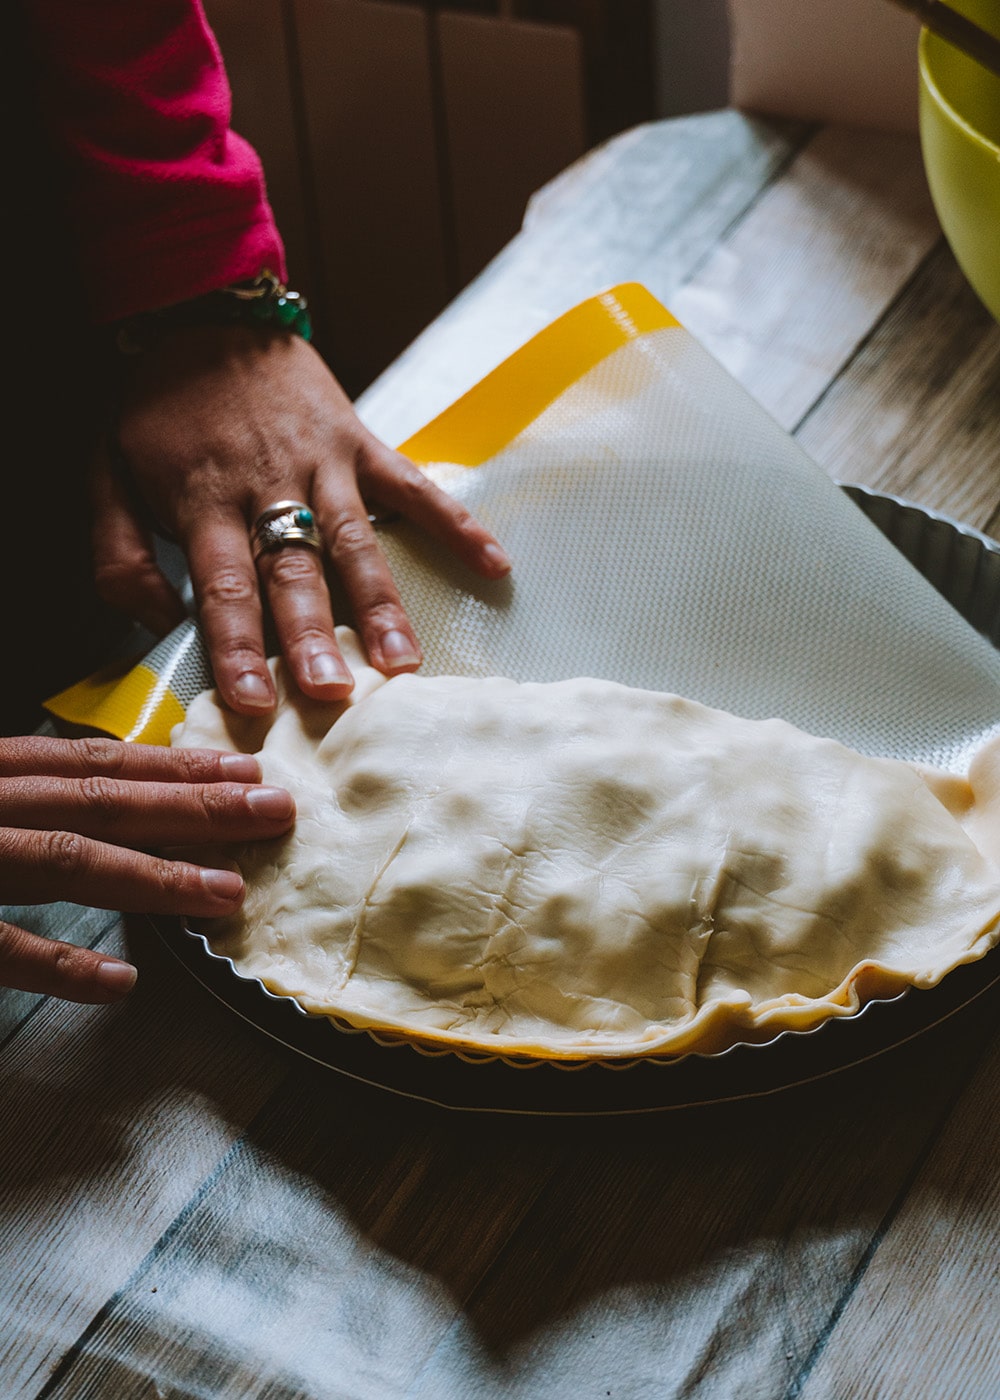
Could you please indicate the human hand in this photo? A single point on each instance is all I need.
(77, 818)
(220, 422)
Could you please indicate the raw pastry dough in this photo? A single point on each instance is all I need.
(583, 870)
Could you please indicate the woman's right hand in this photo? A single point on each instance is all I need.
(78, 818)
(217, 424)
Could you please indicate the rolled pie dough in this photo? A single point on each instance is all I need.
(583, 870)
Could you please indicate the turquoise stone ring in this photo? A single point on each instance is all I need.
(285, 523)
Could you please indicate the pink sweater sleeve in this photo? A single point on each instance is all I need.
(167, 202)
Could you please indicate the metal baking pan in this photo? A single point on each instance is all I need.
(964, 566)
(961, 563)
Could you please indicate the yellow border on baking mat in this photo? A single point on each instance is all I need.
(489, 417)
(138, 704)
(133, 703)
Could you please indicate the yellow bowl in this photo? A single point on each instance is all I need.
(960, 139)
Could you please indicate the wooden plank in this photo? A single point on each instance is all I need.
(361, 1252)
(376, 185)
(370, 1254)
(703, 1253)
(112, 1117)
(513, 104)
(917, 411)
(253, 43)
(648, 206)
(922, 1320)
(784, 301)
(326, 1258)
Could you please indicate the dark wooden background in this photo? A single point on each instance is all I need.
(402, 141)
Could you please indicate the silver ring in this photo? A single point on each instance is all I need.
(285, 523)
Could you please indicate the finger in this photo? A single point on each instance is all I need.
(33, 964)
(34, 755)
(225, 585)
(146, 814)
(42, 867)
(300, 606)
(396, 482)
(126, 574)
(378, 611)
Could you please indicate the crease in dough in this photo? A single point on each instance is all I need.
(579, 870)
(357, 937)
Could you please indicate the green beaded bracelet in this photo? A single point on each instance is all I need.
(265, 301)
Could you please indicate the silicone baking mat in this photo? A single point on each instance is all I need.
(665, 533)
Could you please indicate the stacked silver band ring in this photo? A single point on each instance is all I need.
(284, 523)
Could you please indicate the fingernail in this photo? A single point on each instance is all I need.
(325, 669)
(223, 884)
(398, 650)
(240, 767)
(253, 690)
(496, 558)
(272, 802)
(115, 976)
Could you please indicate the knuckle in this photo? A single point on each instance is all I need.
(67, 961)
(66, 852)
(455, 515)
(116, 578)
(293, 566)
(238, 654)
(218, 800)
(166, 878)
(380, 610)
(101, 794)
(228, 587)
(465, 520)
(308, 637)
(351, 537)
(241, 646)
(100, 755)
(415, 487)
(198, 765)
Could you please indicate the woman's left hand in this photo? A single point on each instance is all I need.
(219, 423)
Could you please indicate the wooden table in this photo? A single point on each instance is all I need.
(191, 1210)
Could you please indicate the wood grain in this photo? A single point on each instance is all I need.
(786, 298)
(922, 1318)
(705, 1254)
(366, 1257)
(917, 411)
(112, 1118)
(648, 206)
(325, 1257)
